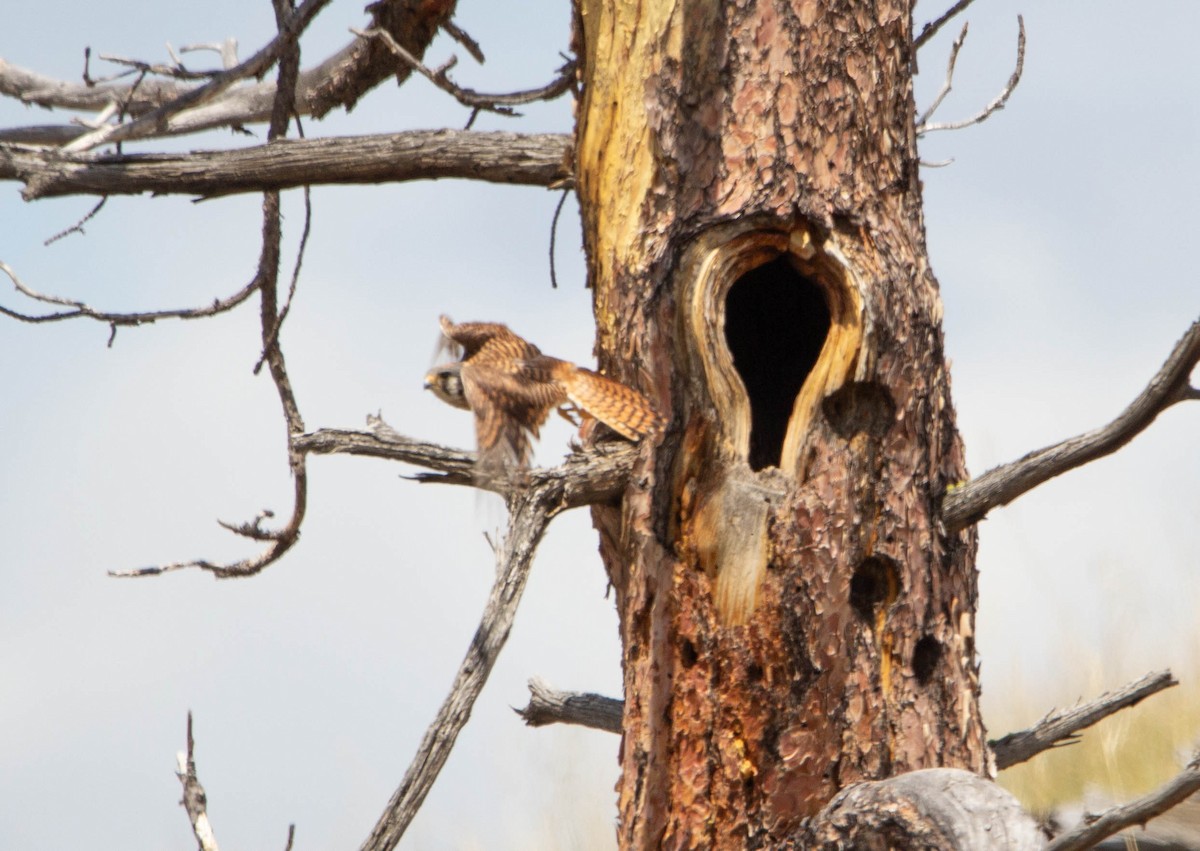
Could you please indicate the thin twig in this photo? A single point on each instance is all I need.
(550, 706)
(970, 502)
(530, 511)
(265, 282)
(255, 66)
(287, 304)
(1096, 827)
(1000, 99)
(78, 226)
(462, 37)
(194, 801)
(931, 29)
(949, 81)
(80, 310)
(338, 81)
(1060, 727)
(553, 234)
(499, 103)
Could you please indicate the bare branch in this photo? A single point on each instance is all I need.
(1000, 99)
(530, 511)
(590, 478)
(265, 282)
(549, 706)
(970, 502)
(462, 37)
(526, 159)
(153, 122)
(1096, 827)
(931, 29)
(499, 103)
(81, 310)
(1060, 728)
(949, 81)
(339, 81)
(195, 802)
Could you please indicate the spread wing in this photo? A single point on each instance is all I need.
(509, 408)
(490, 341)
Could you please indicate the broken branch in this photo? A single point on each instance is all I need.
(194, 801)
(1059, 728)
(550, 706)
(970, 502)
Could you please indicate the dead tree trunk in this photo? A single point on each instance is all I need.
(794, 615)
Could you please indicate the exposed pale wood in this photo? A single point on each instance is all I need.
(529, 159)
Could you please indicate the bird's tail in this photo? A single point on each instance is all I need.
(621, 408)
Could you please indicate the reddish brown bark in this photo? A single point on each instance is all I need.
(831, 641)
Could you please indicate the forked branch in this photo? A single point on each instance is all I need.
(998, 102)
(1060, 727)
(339, 81)
(970, 502)
(153, 122)
(498, 103)
(1096, 827)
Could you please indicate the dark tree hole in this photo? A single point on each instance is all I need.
(776, 321)
(873, 585)
(687, 654)
(926, 656)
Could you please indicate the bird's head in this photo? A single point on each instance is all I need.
(446, 383)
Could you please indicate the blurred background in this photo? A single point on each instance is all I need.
(1063, 235)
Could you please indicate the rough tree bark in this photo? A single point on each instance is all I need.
(794, 616)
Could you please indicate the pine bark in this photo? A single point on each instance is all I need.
(794, 616)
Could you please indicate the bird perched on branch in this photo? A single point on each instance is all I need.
(511, 387)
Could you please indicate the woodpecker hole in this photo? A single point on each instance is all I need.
(687, 654)
(860, 407)
(873, 586)
(776, 322)
(926, 656)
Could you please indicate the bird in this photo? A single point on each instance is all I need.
(511, 387)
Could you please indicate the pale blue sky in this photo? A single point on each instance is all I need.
(1063, 237)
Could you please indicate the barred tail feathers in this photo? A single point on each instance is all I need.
(621, 408)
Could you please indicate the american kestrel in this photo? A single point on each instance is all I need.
(511, 387)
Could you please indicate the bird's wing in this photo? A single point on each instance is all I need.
(496, 341)
(621, 408)
(508, 409)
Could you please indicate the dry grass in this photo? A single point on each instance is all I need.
(1126, 755)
